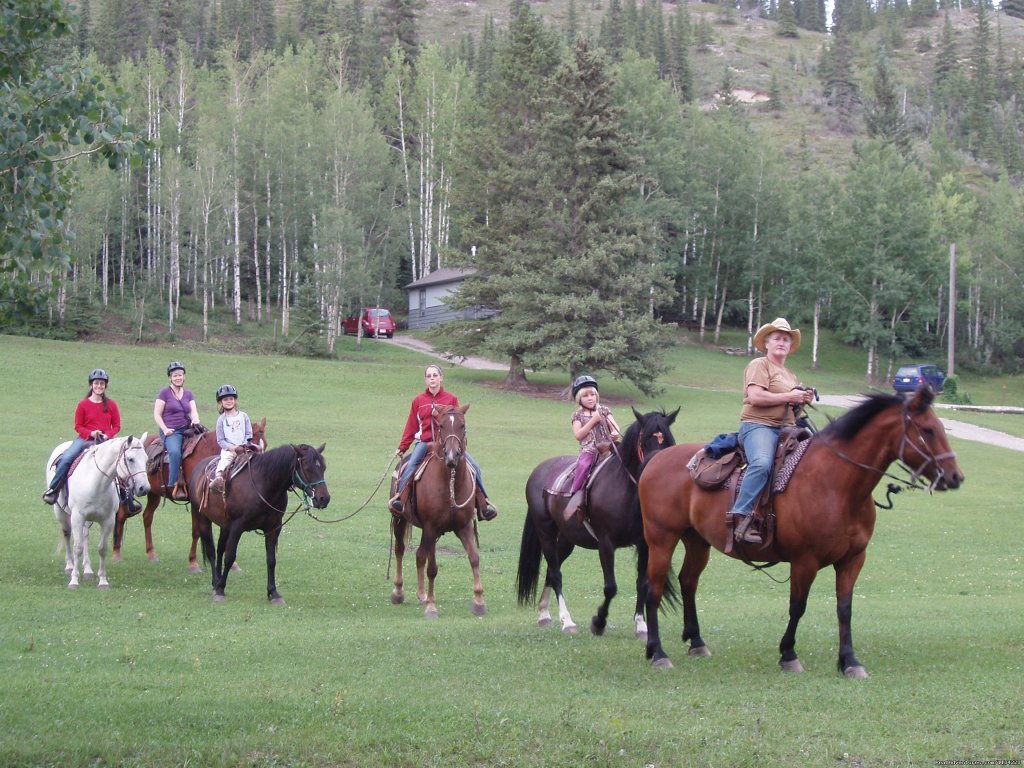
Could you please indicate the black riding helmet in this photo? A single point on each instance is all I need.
(175, 365)
(98, 373)
(226, 390)
(581, 382)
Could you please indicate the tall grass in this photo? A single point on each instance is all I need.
(153, 673)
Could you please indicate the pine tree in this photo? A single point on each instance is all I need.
(978, 123)
(396, 22)
(612, 36)
(787, 20)
(840, 86)
(775, 93)
(680, 71)
(884, 116)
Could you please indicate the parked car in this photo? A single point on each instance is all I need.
(376, 321)
(909, 377)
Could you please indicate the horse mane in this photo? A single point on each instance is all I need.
(847, 426)
(277, 459)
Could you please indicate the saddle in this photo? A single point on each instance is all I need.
(409, 510)
(156, 456)
(727, 470)
(558, 491)
(237, 464)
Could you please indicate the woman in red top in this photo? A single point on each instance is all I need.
(96, 419)
(418, 428)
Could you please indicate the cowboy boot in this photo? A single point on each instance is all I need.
(574, 507)
(746, 531)
(485, 510)
(397, 502)
(179, 493)
(217, 485)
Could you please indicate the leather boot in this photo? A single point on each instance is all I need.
(398, 501)
(486, 511)
(179, 493)
(746, 530)
(217, 485)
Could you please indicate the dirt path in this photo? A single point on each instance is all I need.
(958, 429)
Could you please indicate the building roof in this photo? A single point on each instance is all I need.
(441, 276)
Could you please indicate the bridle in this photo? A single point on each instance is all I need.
(922, 450)
(122, 458)
(441, 448)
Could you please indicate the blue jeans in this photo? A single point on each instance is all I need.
(172, 444)
(759, 443)
(67, 459)
(419, 450)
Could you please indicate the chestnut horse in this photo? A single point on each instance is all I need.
(445, 500)
(256, 499)
(205, 447)
(825, 516)
(612, 521)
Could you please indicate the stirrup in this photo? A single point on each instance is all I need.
(488, 512)
(746, 532)
(395, 505)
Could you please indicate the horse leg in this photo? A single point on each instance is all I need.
(79, 543)
(399, 526)
(606, 553)
(197, 536)
(543, 607)
(847, 572)
(86, 560)
(801, 576)
(271, 539)
(555, 555)
(659, 560)
(220, 572)
(152, 502)
(695, 560)
(426, 563)
(467, 535)
(105, 528)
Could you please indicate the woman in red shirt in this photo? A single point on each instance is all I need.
(96, 419)
(418, 428)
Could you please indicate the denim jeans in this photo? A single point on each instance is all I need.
(67, 459)
(172, 444)
(419, 450)
(759, 443)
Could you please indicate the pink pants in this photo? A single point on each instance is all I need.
(583, 465)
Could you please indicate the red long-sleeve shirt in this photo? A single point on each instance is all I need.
(90, 416)
(418, 425)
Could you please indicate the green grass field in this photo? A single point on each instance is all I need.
(153, 673)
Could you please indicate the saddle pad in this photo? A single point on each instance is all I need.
(782, 476)
(562, 483)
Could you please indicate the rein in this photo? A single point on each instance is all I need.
(439, 451)
(364, 505)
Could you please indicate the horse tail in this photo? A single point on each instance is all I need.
(529, 563)
(670, 594)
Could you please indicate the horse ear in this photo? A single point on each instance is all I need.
(922, 399)
(142, 437)
(672, 416)
(320, 450)
(263, 424)
(637, 414)
(464, 408)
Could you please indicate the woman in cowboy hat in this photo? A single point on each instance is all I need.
(770, 394)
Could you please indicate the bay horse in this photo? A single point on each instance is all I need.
(205, 447)
(825, 516)
(255, 499)
(612, 521)
(91, 495)
(445, 501)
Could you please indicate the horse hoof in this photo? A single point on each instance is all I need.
(699, 651)
(236, 568)
(856, 672)
(194, 568)
(218, 598)
(153, 557)
(116, 557)
(478, 609)
(430, 613)
(641, 636)
(792, 666)
(88, 576)
(397, 598)
(569, 629)
(597, 630)
(277, 600)
(544, 622)
(103, 585)
(72, 586)
(663, 663)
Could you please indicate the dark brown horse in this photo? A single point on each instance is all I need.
(205, 447)
(445, 501)
(824, 517)
(612, 521)
(256, 499)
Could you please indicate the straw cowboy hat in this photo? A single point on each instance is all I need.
(778, 324)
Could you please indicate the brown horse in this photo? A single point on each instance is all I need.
(256, 499)
(824, 517)
(445, 500)
(204, 449)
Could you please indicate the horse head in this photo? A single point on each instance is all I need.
(647, 435)
(450, 435)
(131, 465)
(925, 447)
(309, 474)
(259, 435)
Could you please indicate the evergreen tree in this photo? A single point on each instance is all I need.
(396, 21)
(775, 93)
(680, 72)
(978, 123)
(841, 86)
(612, 35)
(1013, 8)
(884, 115)
(786, 20)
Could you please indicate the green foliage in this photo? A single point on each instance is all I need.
(49, 113)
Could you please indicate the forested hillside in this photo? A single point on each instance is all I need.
(608, 166)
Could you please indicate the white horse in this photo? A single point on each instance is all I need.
(90, 495)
